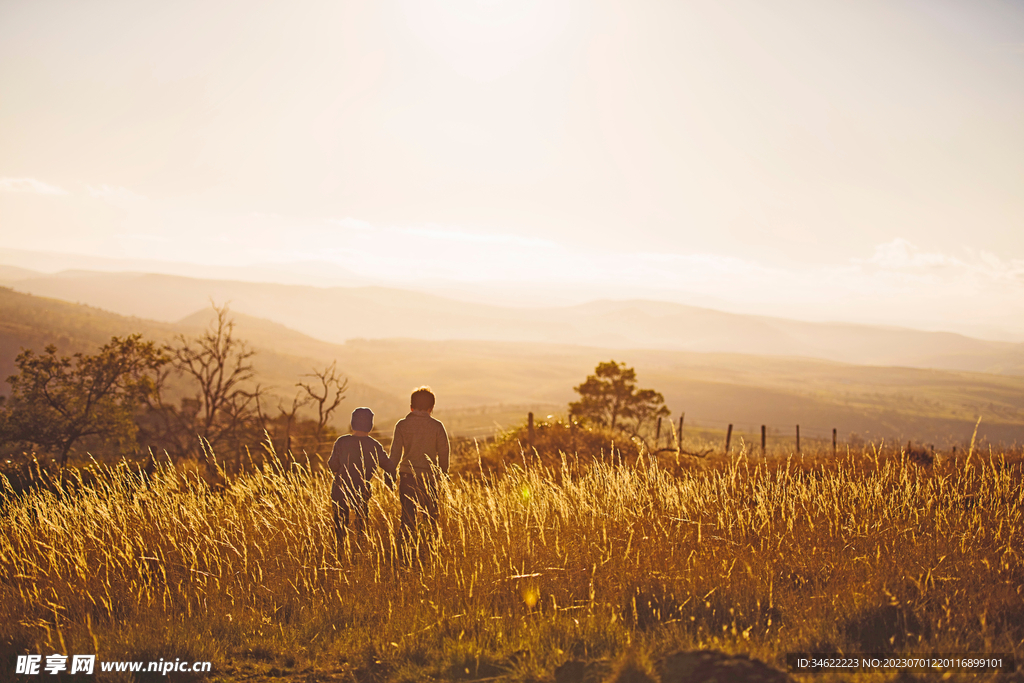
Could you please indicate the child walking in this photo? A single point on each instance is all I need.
(354, 459)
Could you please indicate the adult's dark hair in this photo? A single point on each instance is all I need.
(422, 399)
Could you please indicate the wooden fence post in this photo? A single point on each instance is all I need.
(798, 439)
(834, 441)
(657, 434)
(762, 439)
(679, 436)
(529, 429)
(728, 438)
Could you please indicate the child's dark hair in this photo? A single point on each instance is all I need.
(422, 399)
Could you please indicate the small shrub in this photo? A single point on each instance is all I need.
(579, 445)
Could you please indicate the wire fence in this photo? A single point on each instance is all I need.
(721, 435)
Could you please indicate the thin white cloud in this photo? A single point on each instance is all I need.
(145, 239)
(477, 238)
(30, 185)
(902, 258)
(900, 254)
(118, 196)
(351, 223)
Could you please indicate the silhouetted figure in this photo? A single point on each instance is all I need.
(420, 452)
(920, 456)
(354, 459)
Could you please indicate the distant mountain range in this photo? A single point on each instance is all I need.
(484, 383)
(337, 314)
(21, 263)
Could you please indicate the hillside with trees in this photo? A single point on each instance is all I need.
(187, 393)
(483, 386)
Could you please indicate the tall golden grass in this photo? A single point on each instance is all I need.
(530, 568)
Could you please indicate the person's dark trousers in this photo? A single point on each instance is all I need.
(354, 503)
(418, 493)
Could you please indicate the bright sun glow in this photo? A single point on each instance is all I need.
(486, 39)
(850, 161)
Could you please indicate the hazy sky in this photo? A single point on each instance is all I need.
(859, 160)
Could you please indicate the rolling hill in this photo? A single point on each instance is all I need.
(339, 314)
(481, 383)
(33, 322)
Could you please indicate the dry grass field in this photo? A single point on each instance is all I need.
(612, 566)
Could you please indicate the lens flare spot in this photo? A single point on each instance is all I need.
(531, 595)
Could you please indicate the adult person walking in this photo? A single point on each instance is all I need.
(420, 451)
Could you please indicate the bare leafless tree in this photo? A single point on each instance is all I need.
(164, 425)
(219, 364)
(319, 390)
(225, 408)
(289, 416)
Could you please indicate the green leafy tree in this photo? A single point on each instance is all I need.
(610, 398)
(59, 402)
